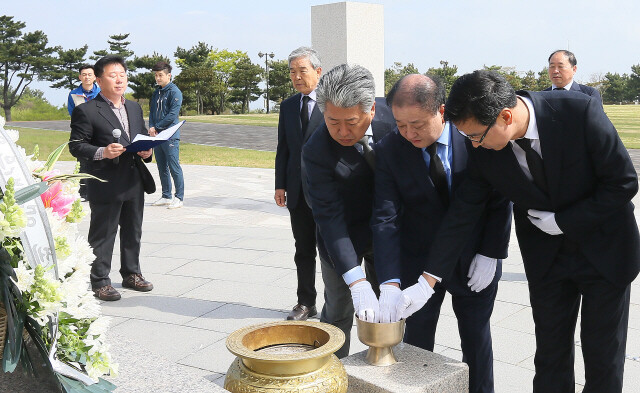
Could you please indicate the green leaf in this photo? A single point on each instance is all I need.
(30, 192)
(73, 386)
(53, 157)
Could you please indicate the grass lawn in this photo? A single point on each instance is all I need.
(626, 118)
(266, 120)
(48, 141)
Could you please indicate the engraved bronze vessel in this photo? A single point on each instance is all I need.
(286, 357)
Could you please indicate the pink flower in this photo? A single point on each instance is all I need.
(47, 175)
(57, 200)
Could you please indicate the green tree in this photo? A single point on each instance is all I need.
(615, 89)
(197, 80)
(446, 72)
(223, 62)
(509, 73)
(280, 86)
(529, 81)
(244, 83)
(634, 82)
(397, 71)
(198, 55)
(117, 46)
(143, 82)
(64, 73)
(23, 57)
(543, 79)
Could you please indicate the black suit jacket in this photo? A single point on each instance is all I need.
(92, 124)
(408, 213)
(591, 182)
(340, 185)
(588, 90)
(289, 150)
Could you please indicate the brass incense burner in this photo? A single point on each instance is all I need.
(287, 357)
(381, 338)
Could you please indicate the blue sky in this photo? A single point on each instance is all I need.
(604, 35)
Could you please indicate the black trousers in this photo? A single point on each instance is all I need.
(105, 219)
(304, 233)
(473, 312)
(555, 302)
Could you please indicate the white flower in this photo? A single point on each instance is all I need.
(99, 326)
(25, 276)
(33, 165)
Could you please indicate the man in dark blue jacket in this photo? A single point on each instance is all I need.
(164, 109)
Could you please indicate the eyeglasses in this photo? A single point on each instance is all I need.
(474, 138)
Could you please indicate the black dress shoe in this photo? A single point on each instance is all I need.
(107, 293)
(301, 312)
(137, 283)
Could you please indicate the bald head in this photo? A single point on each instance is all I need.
(427, 92)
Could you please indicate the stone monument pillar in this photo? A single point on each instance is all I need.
(350, 32)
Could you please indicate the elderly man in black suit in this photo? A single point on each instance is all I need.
(419, 168)
(559, 159)
(562, 67)
(120, 200)
(299, 117)
(338, 159)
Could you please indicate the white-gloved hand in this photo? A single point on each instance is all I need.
(545, 221)
(415, 297)
(390, 302)
(365, 301)
(481, 272)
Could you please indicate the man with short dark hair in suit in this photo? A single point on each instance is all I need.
(119, 200)
(299, 117)
(562, 68)
(419, 167)
(559, 159)
(338, 160)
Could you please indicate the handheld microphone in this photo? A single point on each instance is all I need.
(116, 139)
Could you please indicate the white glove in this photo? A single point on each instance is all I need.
(545, 221)
(365, 301)
(390, 302)
(481, 272)
(415, 297)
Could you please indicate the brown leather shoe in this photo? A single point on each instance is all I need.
(137, 283)
(301, 312)
(107, 293)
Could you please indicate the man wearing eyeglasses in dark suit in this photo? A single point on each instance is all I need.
(559, 159)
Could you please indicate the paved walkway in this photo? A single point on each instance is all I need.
(225, 261)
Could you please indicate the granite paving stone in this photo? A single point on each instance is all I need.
(172, 341)
(152, 307)
(232, 271)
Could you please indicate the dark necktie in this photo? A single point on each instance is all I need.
(535, 164)
(559, 88)
(367, 152)
(304, 113)
(437, 174)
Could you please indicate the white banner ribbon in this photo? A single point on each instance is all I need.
(37, 241)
